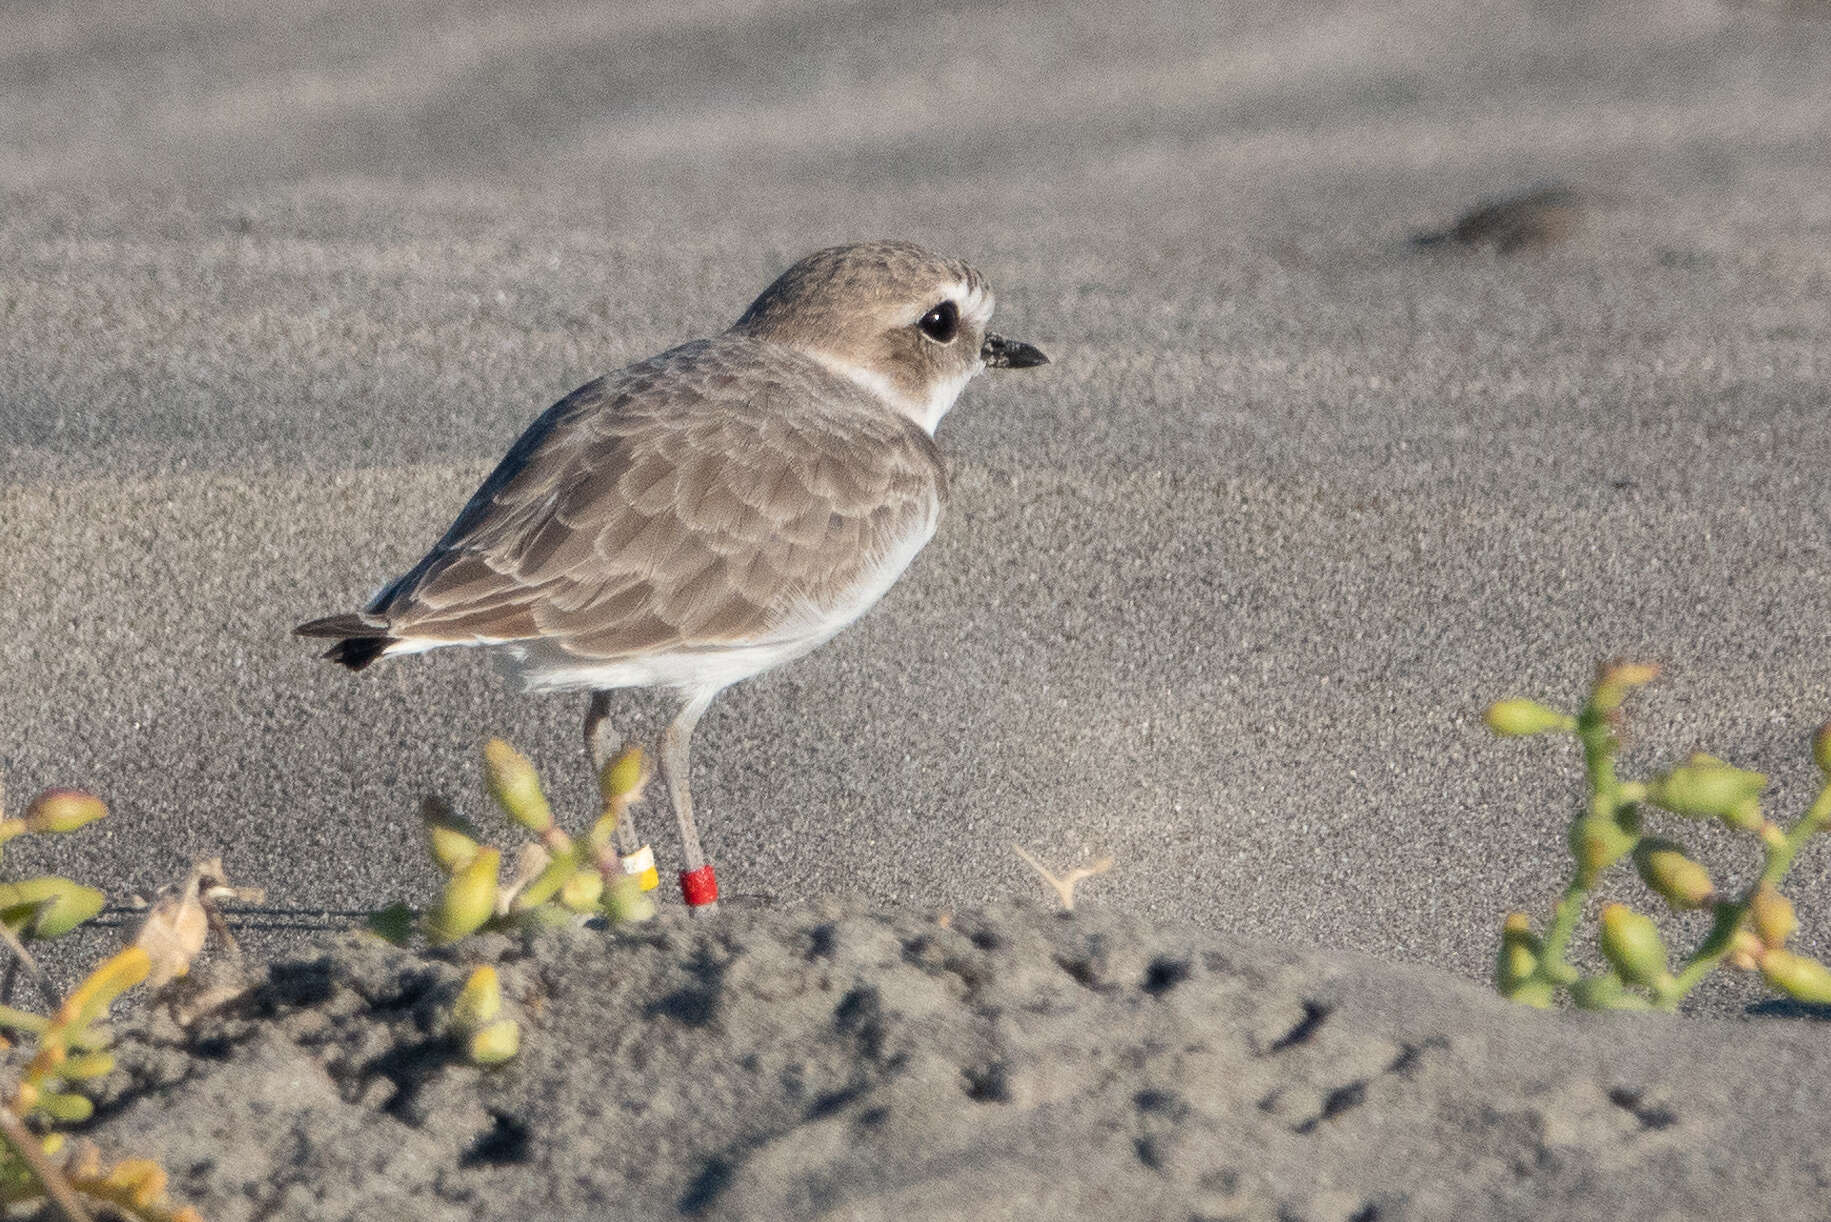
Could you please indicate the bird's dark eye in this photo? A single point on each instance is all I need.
(942, 323)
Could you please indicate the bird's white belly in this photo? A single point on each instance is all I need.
(540, 667)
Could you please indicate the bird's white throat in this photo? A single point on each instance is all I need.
(925, 410)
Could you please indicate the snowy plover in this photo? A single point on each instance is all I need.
(704, 515)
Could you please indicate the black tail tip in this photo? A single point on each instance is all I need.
(358, 652)
(360, 638)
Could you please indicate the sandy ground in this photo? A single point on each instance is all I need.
(1220, 590)
(1012, 1064)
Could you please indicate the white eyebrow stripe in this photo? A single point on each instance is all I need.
(974, 299)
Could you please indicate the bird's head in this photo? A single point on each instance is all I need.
(907, 324)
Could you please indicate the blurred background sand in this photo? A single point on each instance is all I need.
(1220, 591)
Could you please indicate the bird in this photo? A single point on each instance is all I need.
(707, 514)
(1543, 215)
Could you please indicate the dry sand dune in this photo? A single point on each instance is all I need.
(1003, 1064)
(1220, 589)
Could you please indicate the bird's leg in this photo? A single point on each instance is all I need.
(603, 742)
(698, 885)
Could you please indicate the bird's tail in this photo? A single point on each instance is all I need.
(361, 638)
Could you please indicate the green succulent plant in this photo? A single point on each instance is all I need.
(557, 877)
(69, 1046)
(1748, 931)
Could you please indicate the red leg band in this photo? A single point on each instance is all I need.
(699, 887)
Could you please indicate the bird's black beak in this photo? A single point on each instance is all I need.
(1001, 353)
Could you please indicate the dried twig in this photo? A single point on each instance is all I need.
(27, 1147)
(1064, 886)
(25, 960)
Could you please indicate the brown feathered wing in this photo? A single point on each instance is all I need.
(726, 493)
